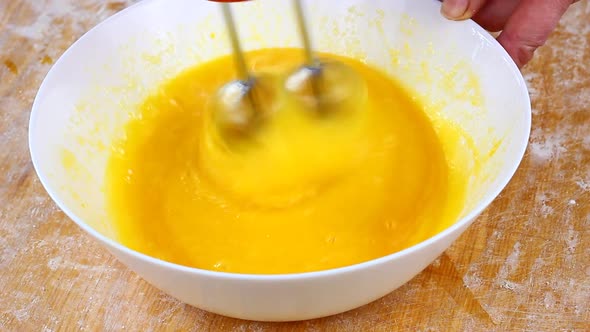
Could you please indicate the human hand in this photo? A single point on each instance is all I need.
(525, 24)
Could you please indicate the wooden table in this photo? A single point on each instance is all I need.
(523, 266)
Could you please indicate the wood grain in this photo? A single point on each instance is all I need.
(523, 266)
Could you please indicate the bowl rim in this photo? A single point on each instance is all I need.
(464, 221)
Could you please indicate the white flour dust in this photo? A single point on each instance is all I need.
(545, 147)
(508, 268)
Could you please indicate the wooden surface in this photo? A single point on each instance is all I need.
(523, 266)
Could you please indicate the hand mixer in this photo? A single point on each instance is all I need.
(322, 87)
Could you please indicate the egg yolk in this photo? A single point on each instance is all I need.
(304, 192)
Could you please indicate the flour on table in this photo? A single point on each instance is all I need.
(546, 146)
(511, 263)
(549, 300)
(583, 184)
(51, 12)
(513, 286)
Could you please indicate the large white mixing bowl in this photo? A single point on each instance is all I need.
(456, 67)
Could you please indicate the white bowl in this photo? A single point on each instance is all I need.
(89, 94)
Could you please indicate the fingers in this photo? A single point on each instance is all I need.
(461, 9)
(529, 27)
(495, 13)
(526, 24)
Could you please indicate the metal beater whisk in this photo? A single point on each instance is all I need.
(324, 87)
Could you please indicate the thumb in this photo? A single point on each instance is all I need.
(530, 26)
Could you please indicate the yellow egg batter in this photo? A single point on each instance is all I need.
(304, 193)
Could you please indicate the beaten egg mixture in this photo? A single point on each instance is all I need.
(304, 193)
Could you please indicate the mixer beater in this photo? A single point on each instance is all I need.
(322, 87)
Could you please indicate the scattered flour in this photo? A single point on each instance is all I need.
(549, 300)
(512, 261)
(52, 14)
(545, 146)
(542, 201)
(583, 184)
(572, 239)
(546, 210)
(473, 282)
(54, 263)
(508, 268)
(513, 286)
